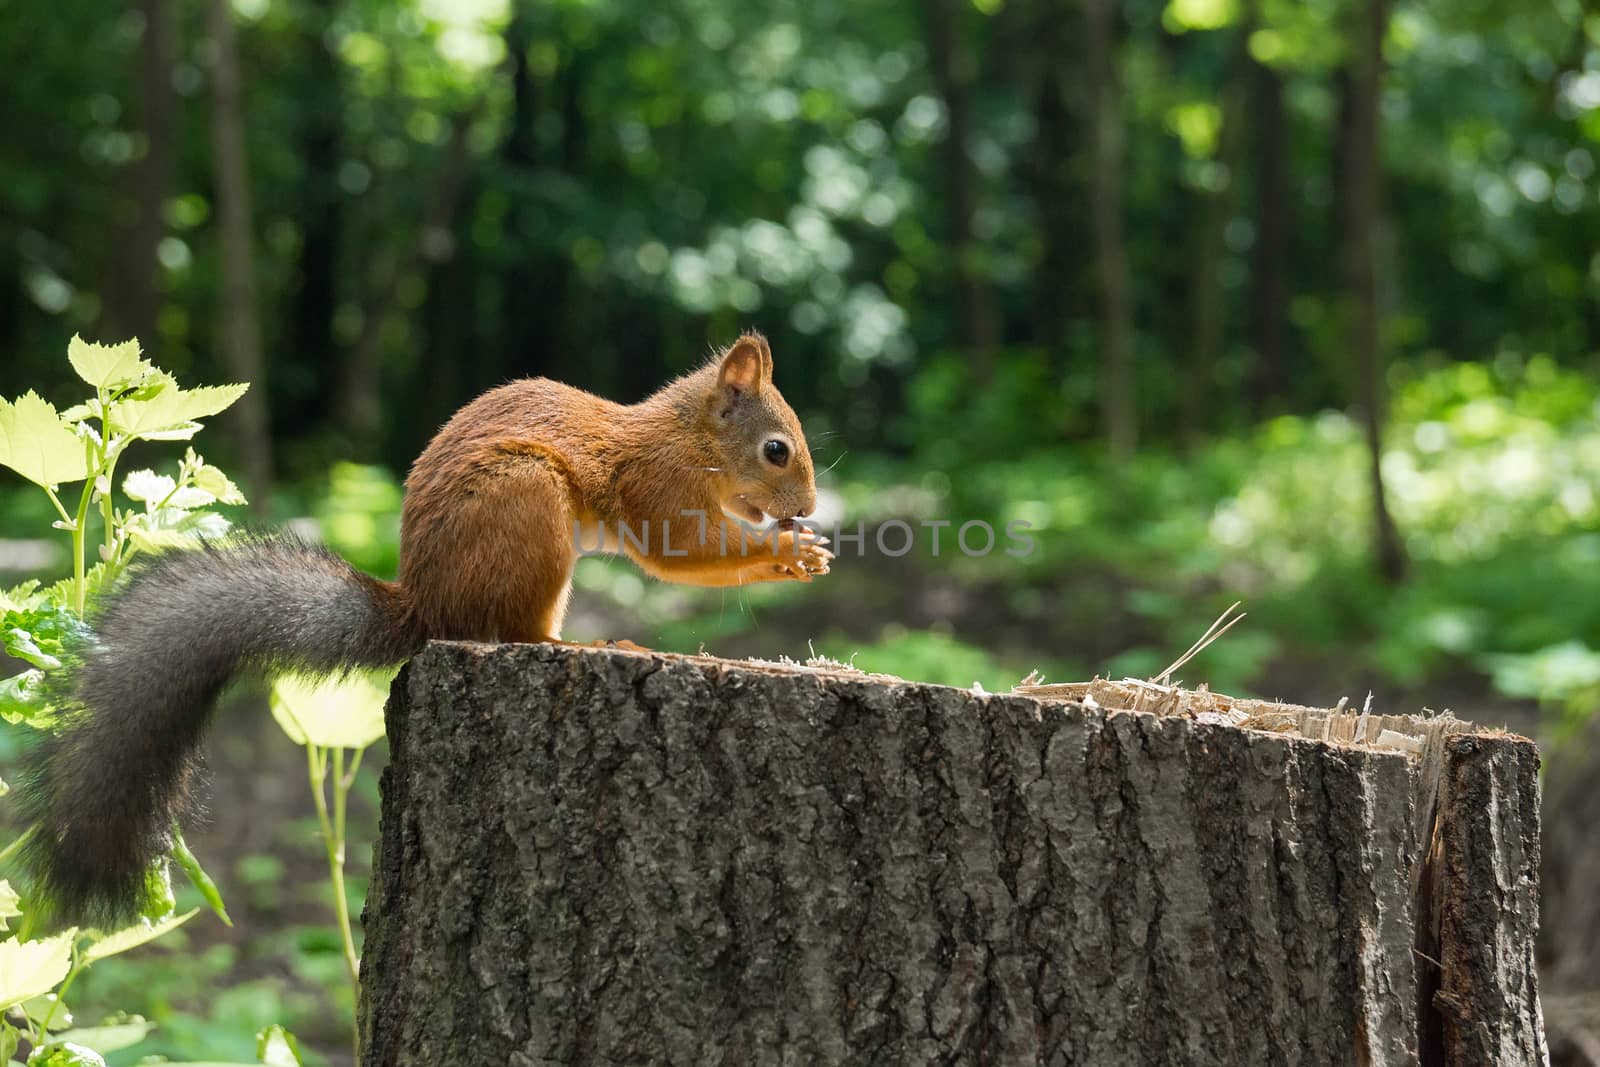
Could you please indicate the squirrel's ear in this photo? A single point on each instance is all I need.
(766, 357)
(743, 369)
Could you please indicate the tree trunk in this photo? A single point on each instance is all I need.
(952, 74)
(308, 325)
(1269, 283)
(132, 296)
(1361, 178)
(594, 856)
(1103, 101)
(531, 331)
(1207, 300)
(1569, 935)
(1055, 186)
(239, 324)
(359, 406)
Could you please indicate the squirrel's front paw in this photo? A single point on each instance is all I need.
(814, 559)
(797, 563)
(809, 560)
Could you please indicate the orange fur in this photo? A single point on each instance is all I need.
(488, 538)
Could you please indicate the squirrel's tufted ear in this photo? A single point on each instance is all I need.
(766, 355)
(743, 369)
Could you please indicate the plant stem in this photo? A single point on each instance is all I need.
(79, 588)
(333, 837)
(22, 839)
(109, 459)
(60, 509)
(43, 1036)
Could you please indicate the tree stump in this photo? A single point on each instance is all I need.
(597, 856)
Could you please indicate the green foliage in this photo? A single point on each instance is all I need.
(659, 176)
(358, 515)
(65, 1054)
(44, 626)
(335, 720)
(638, 181)
(1494, 476)
(931, 657)
(277, 1047)
(38, 444)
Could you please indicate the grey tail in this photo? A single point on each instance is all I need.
(104, 792)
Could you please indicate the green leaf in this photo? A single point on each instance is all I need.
(159, 901)
(106, 366)
(65, 1054)
(36, 444)
(202, 881)
(189, 498)
(334, 713)
(31, 968)
(181, 432)
(132, 937)
(20, 644)
(158, 489)
(22, 700)
(40, 634)
(79, 412)
(277, 1047)
(46, 1007)
(8, 1041)
(60, 594)
(10, 904)
(213, 481)
(147, 485)
(171, 528)
(170, 412)
(111, 1037)
(25, 597)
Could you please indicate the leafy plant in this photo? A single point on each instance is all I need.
(335, 721)
(43, 625)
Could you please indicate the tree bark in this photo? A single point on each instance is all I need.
(1481, 886)
(239, 323)
(952, 74)
(593, 856)
(1103, 100)
(1361, 179)
(1569, 935)
(132, 295)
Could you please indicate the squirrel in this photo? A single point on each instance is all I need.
(497, 509)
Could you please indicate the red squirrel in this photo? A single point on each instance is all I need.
(496, 509)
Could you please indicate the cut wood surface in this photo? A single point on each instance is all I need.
(598, 856)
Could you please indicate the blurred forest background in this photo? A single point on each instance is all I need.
(1293, 302)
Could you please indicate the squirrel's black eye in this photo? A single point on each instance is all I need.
(776, 451)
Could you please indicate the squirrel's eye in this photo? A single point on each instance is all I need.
(776, 451)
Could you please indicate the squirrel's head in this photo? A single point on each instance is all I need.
(765, 466)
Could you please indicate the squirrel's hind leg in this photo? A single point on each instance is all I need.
(507, 549)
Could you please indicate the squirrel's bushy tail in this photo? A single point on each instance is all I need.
(103, 792)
